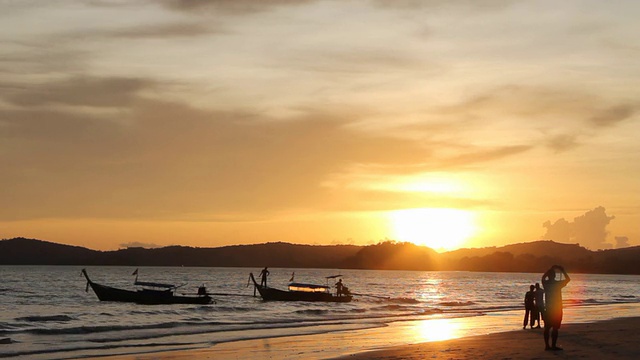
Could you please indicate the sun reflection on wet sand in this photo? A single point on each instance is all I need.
(334, 344)
(437, 330)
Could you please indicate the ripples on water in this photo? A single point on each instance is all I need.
(47, 313)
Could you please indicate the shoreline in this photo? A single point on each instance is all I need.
(609, 339)
(466, 337)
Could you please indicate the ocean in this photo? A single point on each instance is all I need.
(47, 313)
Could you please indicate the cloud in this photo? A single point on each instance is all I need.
(378, 200)
(561, 230)
(155, 158)
(230, 6)
(164, 31)
(81, 91)
(36, 57)
(589, 229)
(621, 242)
(563, 142)
(485, 155)
(363, 61)
(251, 6)
(166, 159)
(560, 118)
(474, 5)
(162, 159)
(613, 115)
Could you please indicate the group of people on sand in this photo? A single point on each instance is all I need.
(545, 303)
(533, 306)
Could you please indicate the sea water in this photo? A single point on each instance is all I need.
(47, 313)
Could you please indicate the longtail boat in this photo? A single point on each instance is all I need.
(150, 294)
(300, 292)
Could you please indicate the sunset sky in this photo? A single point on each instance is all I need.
(462, 123)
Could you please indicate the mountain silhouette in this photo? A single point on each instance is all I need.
(536, 256)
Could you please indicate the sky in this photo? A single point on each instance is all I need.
(461, 123)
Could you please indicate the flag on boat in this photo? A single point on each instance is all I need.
(293, 274)
(135, 272)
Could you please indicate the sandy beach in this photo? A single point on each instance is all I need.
(458, 338)
(612, 339)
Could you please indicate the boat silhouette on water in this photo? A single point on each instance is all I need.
(301, 292)
(150, 293)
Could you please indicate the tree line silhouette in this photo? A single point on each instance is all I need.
(389, 255)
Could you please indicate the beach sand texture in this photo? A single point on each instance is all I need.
(610, 339)
(613, 339)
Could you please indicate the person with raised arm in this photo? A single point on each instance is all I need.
(553, 304)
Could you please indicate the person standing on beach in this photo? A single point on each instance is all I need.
(529, 308)
(263, 277)
(553, 304)
(539, 304)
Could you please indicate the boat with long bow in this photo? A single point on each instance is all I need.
(300, 292)
(150, 293)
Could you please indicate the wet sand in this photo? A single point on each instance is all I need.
(612, 339)
(460, 338)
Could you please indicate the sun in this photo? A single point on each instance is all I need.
(441, 229)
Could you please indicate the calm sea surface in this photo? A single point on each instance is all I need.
(47, 314)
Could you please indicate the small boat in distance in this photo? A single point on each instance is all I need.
(300, 292)
(150, 294)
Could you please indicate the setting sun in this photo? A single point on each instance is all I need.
(439, 229)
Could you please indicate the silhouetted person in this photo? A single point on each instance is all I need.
(529, 307)
(263, 277)
(553, 305)
(539, 303)
(340, 287)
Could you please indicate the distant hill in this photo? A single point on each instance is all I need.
(21, 251)
(535, 256)
(538, 256)
(393, 256)
(539, 248)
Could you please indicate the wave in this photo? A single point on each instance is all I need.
(353, 311)
(456, 303)
(105, 346)
(578, 302)
(48, 318)
(155, 312)
(233, 309)
(312, 312)
(98, 329)
(393, 307)
(404, 300)
(394, 310)
(96, 347)
(6, 327)
(615, 300)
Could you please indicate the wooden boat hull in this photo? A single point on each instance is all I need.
(144, 296)
(271, 294)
